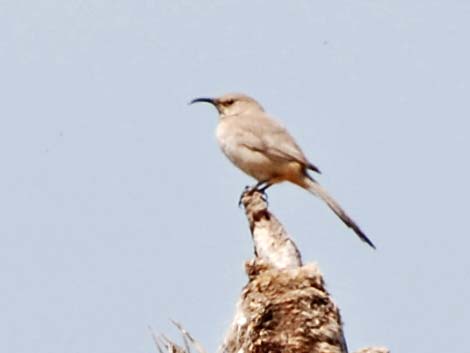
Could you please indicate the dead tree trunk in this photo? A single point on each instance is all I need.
(285, 307)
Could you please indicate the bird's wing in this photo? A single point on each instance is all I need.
(270, 137)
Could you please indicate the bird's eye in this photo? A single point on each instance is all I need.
(229, 102)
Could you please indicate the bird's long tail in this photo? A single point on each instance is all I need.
(316, 189)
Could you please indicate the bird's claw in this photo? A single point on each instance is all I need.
(264, 196)
(250, 190)
(247, 189)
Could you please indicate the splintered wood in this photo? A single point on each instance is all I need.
(285, 311)
(271, 241)
(285, 306)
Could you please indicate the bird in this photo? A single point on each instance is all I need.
(261, 147)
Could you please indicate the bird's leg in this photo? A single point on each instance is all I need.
(264, 188)
(258, 186)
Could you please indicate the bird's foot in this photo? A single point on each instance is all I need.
(264, 195)
(249, 190)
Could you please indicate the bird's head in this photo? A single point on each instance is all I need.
(232, 104)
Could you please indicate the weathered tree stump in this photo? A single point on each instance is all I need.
(284, 307)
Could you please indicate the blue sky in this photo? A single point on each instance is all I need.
(120, 212)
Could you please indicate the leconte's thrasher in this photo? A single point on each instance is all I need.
(262, 148)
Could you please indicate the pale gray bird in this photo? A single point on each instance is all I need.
(262, 148)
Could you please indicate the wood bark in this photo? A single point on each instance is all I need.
(284, 307)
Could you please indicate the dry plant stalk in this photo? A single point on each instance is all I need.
(285, 307)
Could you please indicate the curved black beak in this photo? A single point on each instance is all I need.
(205, 100)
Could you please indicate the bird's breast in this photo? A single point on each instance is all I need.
(241, 148)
